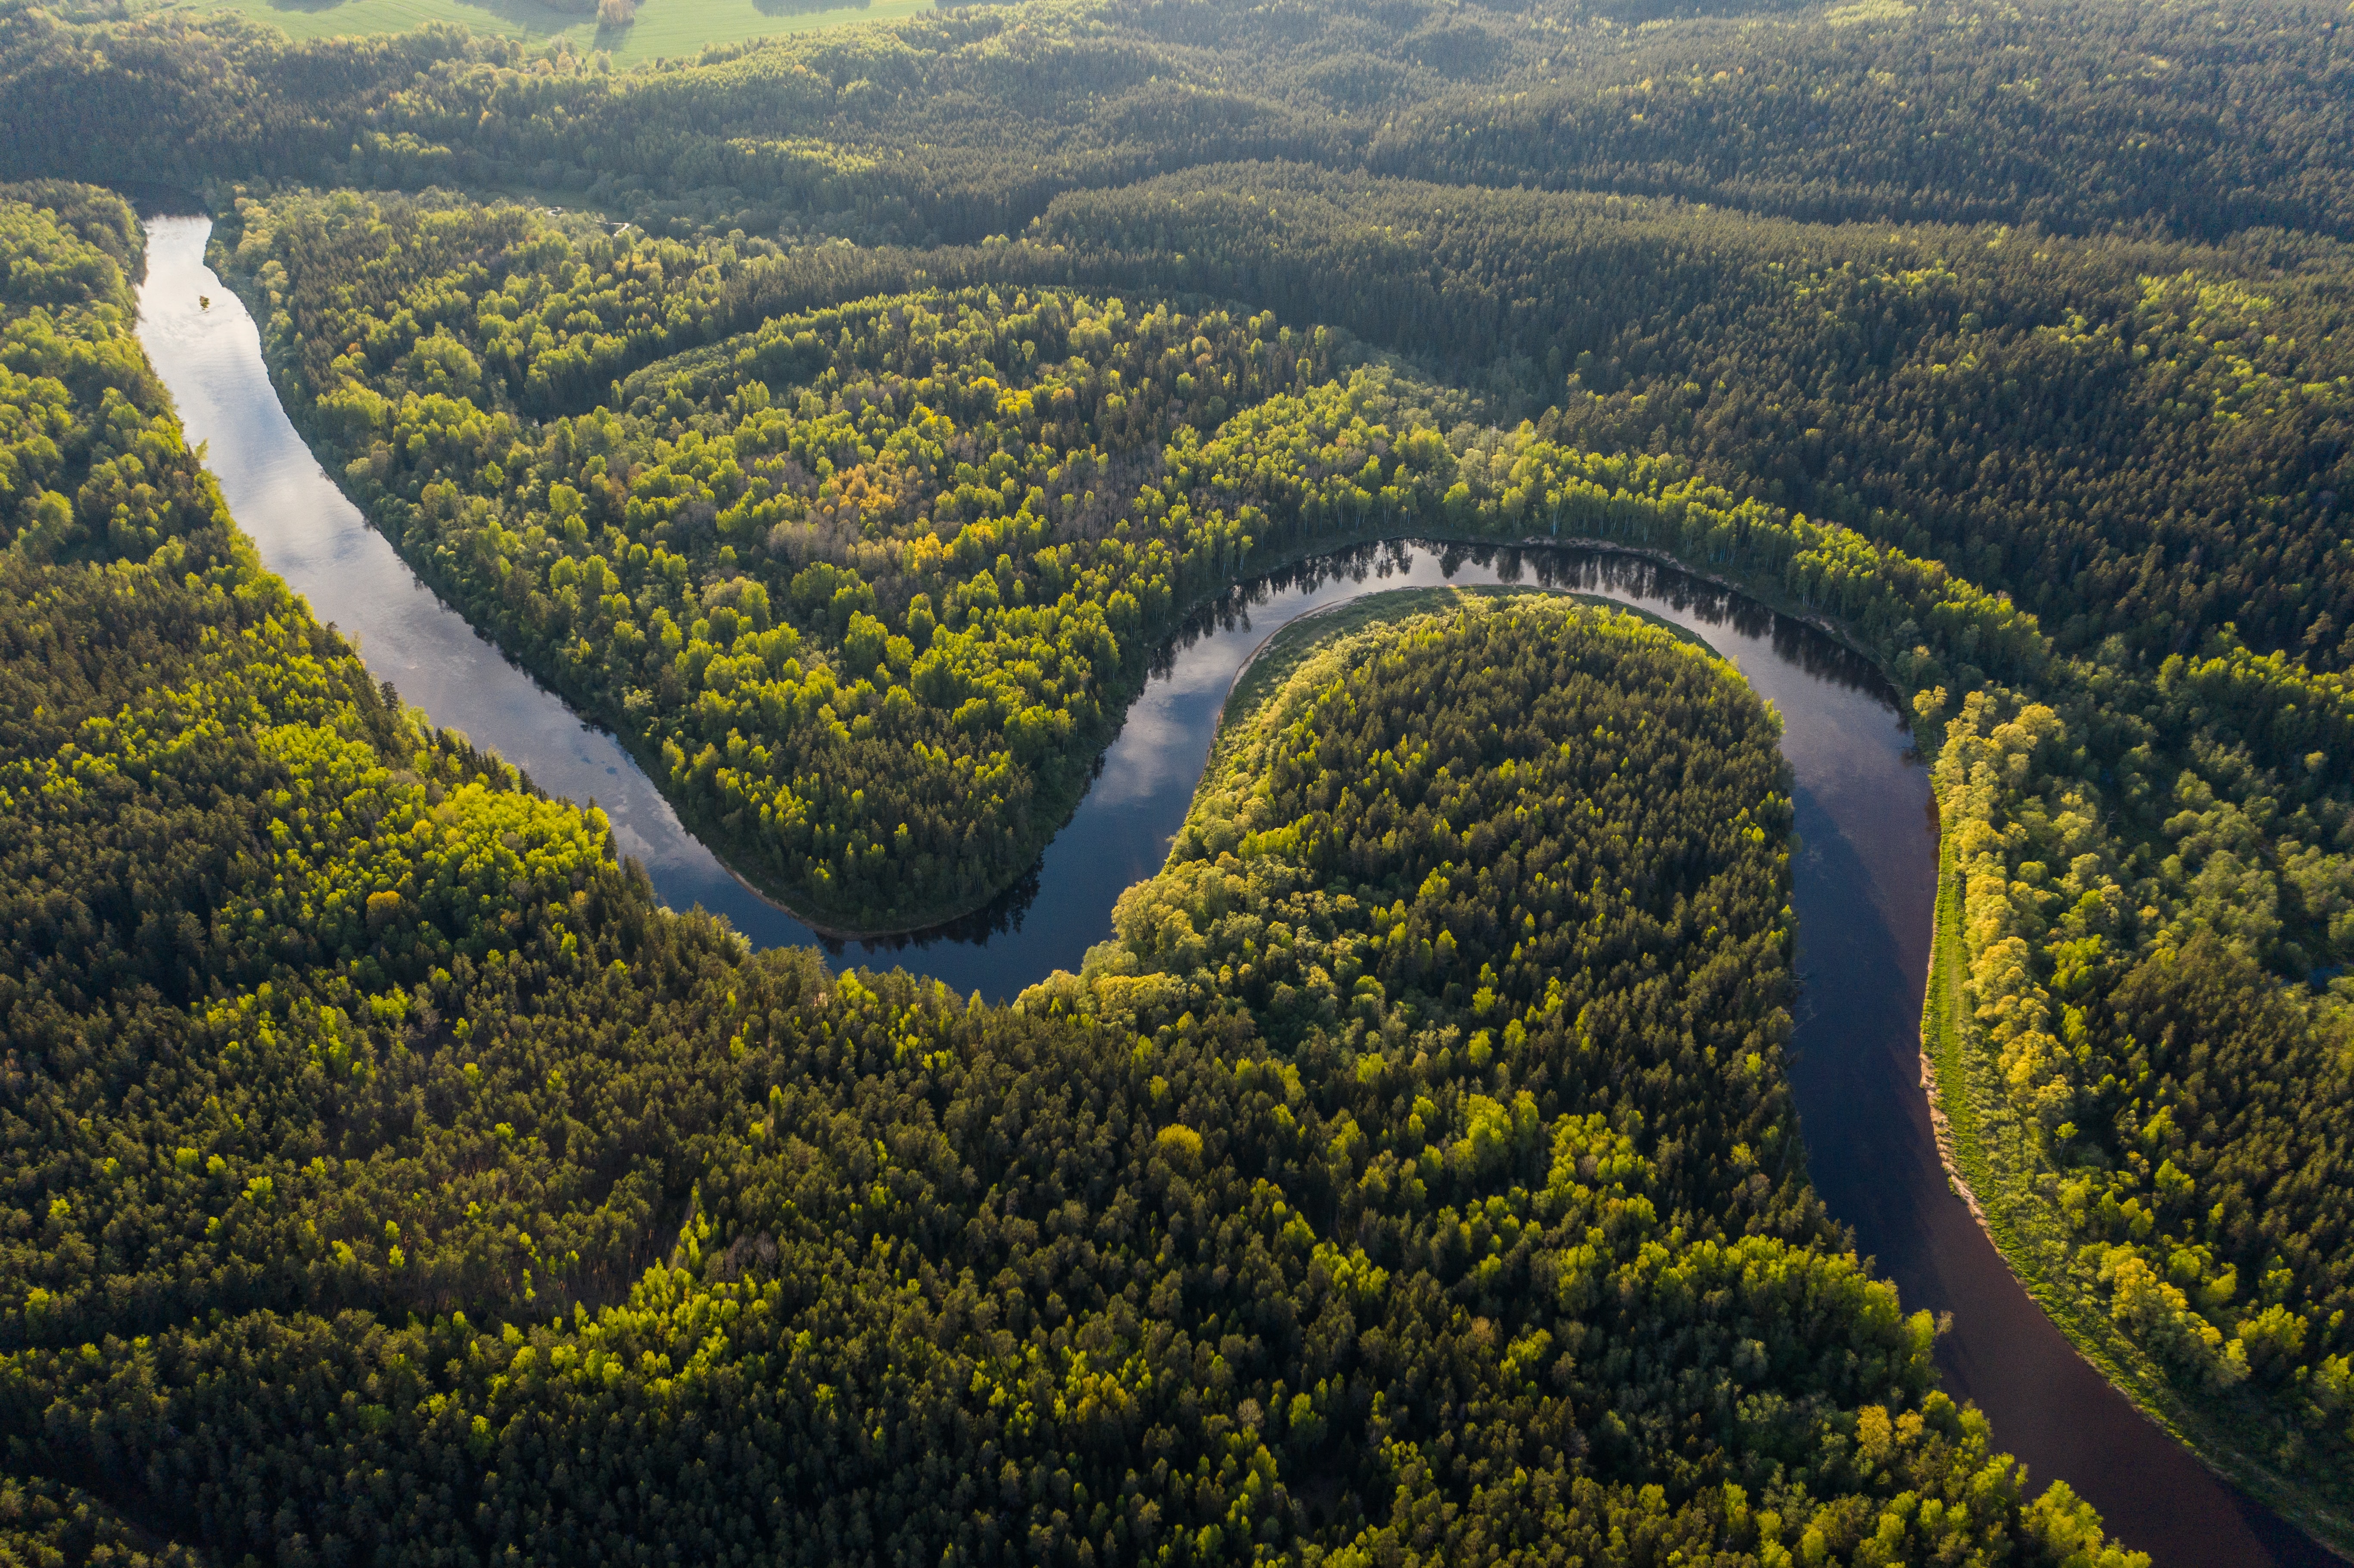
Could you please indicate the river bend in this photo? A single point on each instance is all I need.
(1864, 889)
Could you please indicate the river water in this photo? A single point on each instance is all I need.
(1864, 887)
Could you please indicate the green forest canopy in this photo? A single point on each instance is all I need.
(388, 1174)
(2082, 116)
(2160, 795)
(2014, 340)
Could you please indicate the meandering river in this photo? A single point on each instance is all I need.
(1864, 876)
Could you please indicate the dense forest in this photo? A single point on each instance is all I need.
(2132, 438)
(388, 1178)
(2073, 115)
(893, 392)
(858, 582)
(2163, 781)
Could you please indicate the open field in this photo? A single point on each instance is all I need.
(664, 28)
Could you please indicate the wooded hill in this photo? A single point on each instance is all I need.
(2013, 341)
(388, 1178)
(2070, 115)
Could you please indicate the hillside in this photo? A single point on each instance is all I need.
(389, 1175)
(891, 392)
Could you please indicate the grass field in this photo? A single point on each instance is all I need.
(664, 28)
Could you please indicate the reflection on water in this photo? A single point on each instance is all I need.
(1864, 881)
(1144, 783)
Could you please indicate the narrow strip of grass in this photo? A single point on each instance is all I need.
(664, 28)
(1992, 1153)
(1996, 1156)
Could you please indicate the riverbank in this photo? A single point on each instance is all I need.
(1865, 898)
(1272, 661)
(735, 831)
(1989, 1154)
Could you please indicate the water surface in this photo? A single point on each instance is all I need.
(1864, 888)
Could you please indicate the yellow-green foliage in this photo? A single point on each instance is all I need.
(872, 582)
(2134, 801)
(1572, 827)
(869, 582)
(2072, 380)
(45, 1521)
(255, 914)
(2179, 1098)
(385, 1176)
(386, 1170)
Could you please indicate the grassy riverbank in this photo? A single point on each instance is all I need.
(1993, 1153)
(1290, 645)
(1984, 1138)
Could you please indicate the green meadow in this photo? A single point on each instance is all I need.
(664, 28)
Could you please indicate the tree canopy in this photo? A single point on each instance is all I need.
(388, 1178)
(891, 392)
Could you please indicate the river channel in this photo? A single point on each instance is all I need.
(1864, 877)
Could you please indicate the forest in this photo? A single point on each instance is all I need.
(889, 395)
(390, 1179)
(2077, 116)
(885, 713)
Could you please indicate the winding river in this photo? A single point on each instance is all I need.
(1864, 893)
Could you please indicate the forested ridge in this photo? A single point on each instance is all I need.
(2132, 438)
(388, 1178)
(2160, 795)
(898, 389)
(2196, 120)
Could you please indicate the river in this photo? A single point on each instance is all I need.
(1864, 885)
